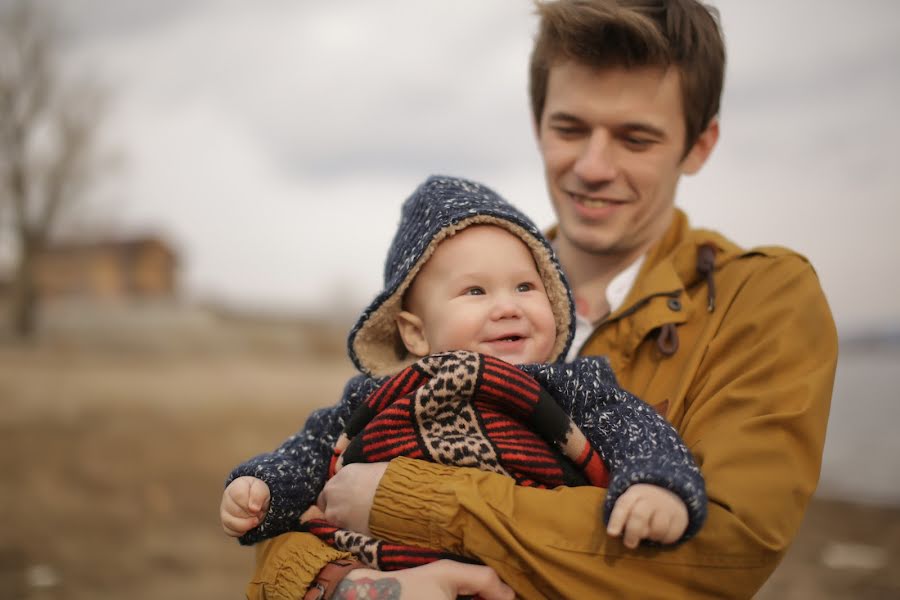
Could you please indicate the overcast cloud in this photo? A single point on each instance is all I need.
(273, 141)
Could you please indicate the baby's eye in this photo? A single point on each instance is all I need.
(524, 287)
(475, 291)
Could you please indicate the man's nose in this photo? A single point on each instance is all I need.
(596, 160)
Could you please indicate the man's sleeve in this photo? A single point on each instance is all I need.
(296, 471)
(755, 423)
(286, 565)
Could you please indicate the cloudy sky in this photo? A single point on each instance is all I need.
(273, 141)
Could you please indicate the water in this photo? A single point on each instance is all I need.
(863, 443)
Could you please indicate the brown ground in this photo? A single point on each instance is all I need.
(113, 464)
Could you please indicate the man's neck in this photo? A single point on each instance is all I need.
(590, 275)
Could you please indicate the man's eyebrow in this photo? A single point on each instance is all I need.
(563, 116)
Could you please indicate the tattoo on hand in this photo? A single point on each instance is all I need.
(366, 588)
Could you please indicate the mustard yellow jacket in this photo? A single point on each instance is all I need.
(737, 348)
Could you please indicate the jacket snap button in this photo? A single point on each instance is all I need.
(674, 304)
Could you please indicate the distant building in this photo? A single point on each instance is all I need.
(120, 270)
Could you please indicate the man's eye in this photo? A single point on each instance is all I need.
(568, 132)
(475, 291)
(637, 143)
(525, 287)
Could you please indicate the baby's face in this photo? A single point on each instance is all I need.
(481, 291)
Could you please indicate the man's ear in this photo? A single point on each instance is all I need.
(412, 332)
(702, 148)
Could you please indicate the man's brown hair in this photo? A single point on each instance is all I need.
(635, 33)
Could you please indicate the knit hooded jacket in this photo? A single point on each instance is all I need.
(636, 444)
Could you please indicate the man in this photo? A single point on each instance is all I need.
(737, 348)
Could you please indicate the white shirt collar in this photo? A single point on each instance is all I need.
(621, 284)
(616, 292)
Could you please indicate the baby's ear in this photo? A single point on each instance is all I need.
(412, 332)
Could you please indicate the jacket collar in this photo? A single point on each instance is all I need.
(668, 270)
(658, 296)
(671, 264)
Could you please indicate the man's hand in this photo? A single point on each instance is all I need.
(441, 580)
(244, 505)
(648, 512)
(346, 499)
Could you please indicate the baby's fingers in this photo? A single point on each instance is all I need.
(638, 525)
(677, 525)
(258, 496)
(238, 526)
(619, 516)
(235, 507)
(660, 524)
(674, 532)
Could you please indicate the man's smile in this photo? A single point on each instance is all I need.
(594, 202)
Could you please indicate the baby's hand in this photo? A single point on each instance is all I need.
(244, 505)
(648, 512)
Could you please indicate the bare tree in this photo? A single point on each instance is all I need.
(47, 135)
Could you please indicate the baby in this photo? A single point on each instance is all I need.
(467, 271)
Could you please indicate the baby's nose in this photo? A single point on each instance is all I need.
(505, 307)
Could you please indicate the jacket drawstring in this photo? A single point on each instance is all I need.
(706, 264)
(667, 339)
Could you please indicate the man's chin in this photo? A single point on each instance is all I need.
(591, 243)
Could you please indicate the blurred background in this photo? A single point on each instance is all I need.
(196, 198)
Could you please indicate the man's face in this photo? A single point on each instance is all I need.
(612, 141)
(481, 291)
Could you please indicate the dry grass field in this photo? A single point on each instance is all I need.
(113, 465)
(113, 460)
